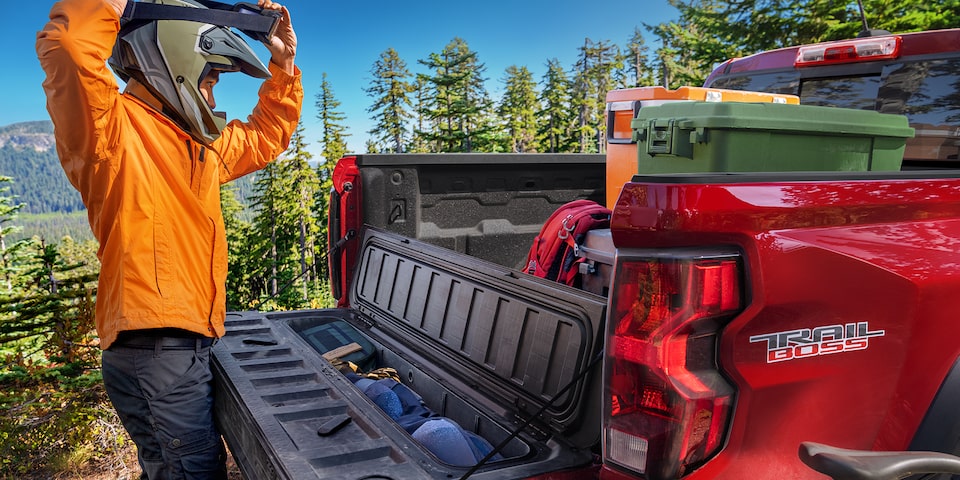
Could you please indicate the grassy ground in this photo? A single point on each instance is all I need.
(122, 466)
(106, 454)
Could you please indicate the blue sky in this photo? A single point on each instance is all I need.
(345, 38)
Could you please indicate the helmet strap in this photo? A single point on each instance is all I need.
(248, 18)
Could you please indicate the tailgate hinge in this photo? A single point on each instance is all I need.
(366, 317)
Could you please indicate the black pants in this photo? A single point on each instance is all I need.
(161, 387)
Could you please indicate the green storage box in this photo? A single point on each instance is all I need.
(695, 137)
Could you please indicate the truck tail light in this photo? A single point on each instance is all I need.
(866, 49)
(666, 404)
(343, 224)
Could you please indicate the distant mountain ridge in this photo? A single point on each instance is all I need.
(27, 154)
(36, 135)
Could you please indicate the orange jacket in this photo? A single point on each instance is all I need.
(151, 192)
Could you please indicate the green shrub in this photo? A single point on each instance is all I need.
(54, 418)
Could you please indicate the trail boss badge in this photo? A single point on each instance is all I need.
(826, 340)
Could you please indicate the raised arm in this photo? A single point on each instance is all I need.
(81, 91)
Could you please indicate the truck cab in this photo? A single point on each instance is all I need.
(912, 74)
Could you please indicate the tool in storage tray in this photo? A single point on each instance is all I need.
(482, 345)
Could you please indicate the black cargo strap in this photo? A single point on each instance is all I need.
(248, 18)
(576, 379)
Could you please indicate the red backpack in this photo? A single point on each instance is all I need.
(553, 253)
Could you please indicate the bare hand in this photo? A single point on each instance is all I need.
(283, 44)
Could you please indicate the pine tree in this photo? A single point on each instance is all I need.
(324, 174)
(903, 16)
(490, 136)
(607, 59)
(518, 110)
(238, 291)
(711, 31)
(457, 105)
(285, 233)
(272, 240)
(637, 62)
(691, 45)
(54, 302)
(306, 186)
(593, 79)
(421, 126)
(335, 148)
(334, 131)
(556, 118)
(264, 232)
(391, 102)
(47, 295)
(9, 254)
(582, 98)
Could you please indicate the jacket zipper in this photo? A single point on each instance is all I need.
(201, 157)
(196, 174)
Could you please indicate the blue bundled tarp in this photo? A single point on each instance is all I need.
(440, 435)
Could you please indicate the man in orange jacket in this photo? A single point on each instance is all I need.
(148, 164)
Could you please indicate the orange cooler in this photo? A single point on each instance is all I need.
(623, 105)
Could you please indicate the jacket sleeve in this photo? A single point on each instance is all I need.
(245, 147)
(81, 91)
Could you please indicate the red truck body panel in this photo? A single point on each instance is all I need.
(848, 330)
(344, 223)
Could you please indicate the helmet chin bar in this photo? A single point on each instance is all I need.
(202, 122)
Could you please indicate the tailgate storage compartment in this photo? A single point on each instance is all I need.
(482, 345)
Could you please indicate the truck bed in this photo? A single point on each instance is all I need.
(483, 345)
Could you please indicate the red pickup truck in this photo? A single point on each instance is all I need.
(841, 285)
(753, 321)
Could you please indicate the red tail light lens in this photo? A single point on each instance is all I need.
(666, 404)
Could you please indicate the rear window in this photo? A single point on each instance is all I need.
(852, 92)
(777, 82)
(928, 92)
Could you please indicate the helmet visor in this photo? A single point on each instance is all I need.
(221, 42)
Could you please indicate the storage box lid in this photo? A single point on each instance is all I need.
(697, 93)
(775, 117)
(516, 338)
(598, 246)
